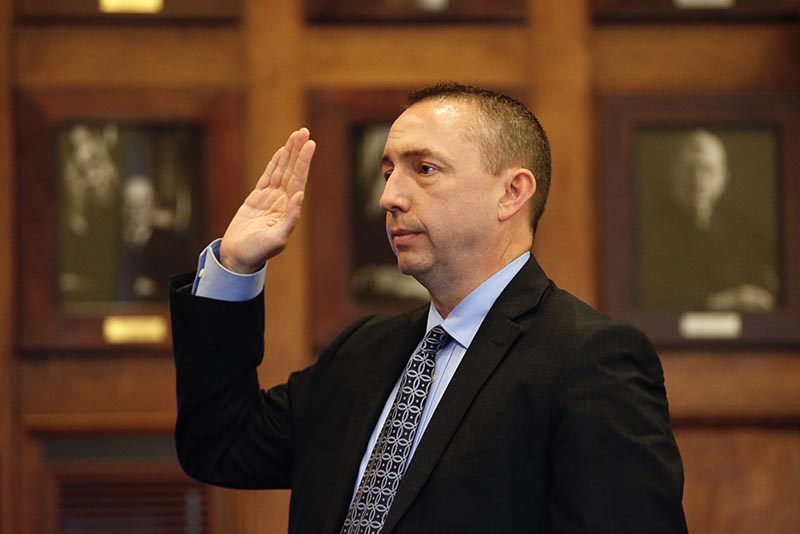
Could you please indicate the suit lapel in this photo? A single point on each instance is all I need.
(492, 342)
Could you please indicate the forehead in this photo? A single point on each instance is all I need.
(425, 124)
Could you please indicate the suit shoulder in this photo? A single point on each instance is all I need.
(578, 325)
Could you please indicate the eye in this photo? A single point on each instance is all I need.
(387, 172)
(424, 168)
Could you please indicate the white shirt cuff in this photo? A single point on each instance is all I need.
(216, 282)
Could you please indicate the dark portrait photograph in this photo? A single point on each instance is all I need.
(129, 210)
(706, 218)
(375, 276)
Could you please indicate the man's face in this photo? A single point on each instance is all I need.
(701, 172)
(440, 202)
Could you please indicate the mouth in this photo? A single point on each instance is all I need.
(402, 236)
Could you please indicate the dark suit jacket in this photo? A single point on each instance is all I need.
(555, 421)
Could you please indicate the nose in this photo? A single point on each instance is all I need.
(395, 194)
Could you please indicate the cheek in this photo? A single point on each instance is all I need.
(386, 228)
(464, 219)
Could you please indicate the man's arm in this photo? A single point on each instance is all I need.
(616, 466)
(224, 420)
(228, 431)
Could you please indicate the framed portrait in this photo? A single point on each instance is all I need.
(702, 234)
(138, 11)
(117, 191)
(695, 10)
(372, 11)
(354, 271)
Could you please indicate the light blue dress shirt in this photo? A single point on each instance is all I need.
(214, 281)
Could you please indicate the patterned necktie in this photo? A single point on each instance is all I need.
(387, 463)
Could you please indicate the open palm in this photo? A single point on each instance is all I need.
(262, 225)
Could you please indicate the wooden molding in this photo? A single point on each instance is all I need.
(76, 423)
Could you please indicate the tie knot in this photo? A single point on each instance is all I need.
(436, 339)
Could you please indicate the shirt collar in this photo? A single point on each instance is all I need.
(463, 322)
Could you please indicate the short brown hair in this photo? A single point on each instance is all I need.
(508, 133)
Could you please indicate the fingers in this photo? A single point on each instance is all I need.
(299, 171)
(294, 145)
(281, 168)
(269, 170)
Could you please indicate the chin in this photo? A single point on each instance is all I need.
(410, 265)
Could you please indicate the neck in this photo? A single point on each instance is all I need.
(453, 289)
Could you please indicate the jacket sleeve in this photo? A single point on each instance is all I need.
(616, 466)
(228, 432)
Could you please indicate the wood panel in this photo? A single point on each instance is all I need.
(410, 56)
(8, 430)
(741, 480)
(34, 495)
(696, 57)
(125, 57)
(726, 387)
(111, 385)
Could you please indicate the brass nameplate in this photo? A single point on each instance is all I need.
(135, 329)
(711, 325)
(131, 6)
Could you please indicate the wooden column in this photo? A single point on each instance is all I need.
(8, 427)
(560, 34)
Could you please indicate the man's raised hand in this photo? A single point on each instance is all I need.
(262, 225)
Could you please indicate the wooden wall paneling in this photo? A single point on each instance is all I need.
(138, 472)
(696, 57)
(98, 392)
(741, 479)
(222, 514)
(412, 56)
(560, 68)
(9, 497)
(123, 494)
(65, 56)
(35, 494)
(733, 387)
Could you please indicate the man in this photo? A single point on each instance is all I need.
(521, 410)
(701, 252)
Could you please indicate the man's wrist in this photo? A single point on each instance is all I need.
(214, 280)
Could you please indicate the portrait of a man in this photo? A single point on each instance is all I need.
(128, 209)
(706, 220)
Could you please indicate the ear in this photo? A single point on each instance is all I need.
(519, 185)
